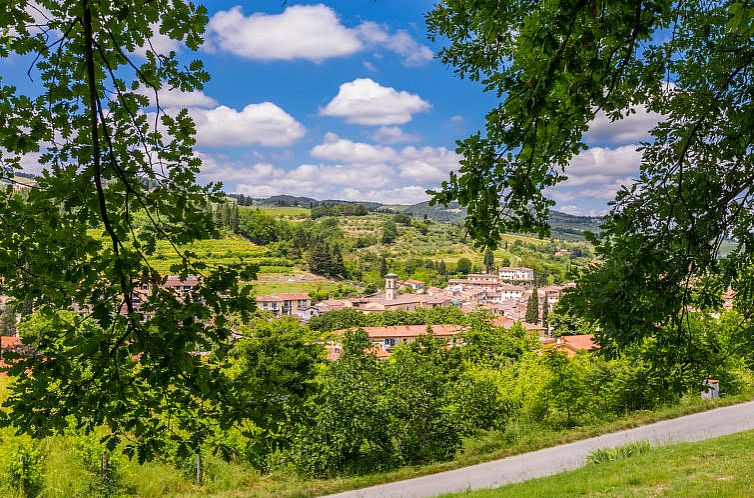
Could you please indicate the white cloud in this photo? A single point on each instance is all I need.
(391, 135)
(323, 181)
(600, 165)
(162, 44)
(339, 149)
(264, 124)
(176, 99)
(30, 163)
(411, 194)
(364, 101)
(217, 125)
(427, 165)
(594, 177)
(631, 129)
(582, 211)
(400, 42)
(310, 32)
(351, 170)
(306, 32)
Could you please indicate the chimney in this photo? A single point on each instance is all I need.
(391, 279)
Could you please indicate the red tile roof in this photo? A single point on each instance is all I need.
(410, 330)
(10, 342)
(584, 342)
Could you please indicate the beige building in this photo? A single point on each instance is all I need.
(284, 304)
(390, 300)
(510, 291)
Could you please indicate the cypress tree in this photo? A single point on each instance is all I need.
(532, 308)
(7, 321)
(489, 260)
(545, 309)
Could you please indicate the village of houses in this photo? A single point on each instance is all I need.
(505, 295)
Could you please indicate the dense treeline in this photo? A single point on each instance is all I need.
(349, 317)
(349, 209)
(427, 399)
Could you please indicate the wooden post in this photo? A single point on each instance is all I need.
(198, 467)
(103, 468)
(21, 481)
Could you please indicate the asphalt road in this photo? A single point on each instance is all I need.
(549, 461)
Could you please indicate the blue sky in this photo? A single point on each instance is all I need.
(343, 99)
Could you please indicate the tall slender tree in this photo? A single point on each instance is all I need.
(489, 261)
(532, 307)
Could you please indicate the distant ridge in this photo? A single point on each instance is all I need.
(563, 225)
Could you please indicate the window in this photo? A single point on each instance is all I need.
(389, 342)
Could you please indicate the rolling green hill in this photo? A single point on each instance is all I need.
(563, 226)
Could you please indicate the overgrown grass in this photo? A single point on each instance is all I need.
(718, 467)
(603, 455)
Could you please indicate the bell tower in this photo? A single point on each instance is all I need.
(391, 280)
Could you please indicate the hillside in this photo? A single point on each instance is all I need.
(563, 226)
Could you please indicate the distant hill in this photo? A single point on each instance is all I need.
(307, 202)
(563, 225)
(453, 213)
(289, 200)
(369, 205)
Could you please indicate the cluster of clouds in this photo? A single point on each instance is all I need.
(393, 167)
(381, 171)
(306, 32)
(358, 170)
(598, 173)
(343, 169)
(361, 101)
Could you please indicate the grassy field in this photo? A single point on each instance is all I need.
(283, 211)
(303, 287)
(715, 468)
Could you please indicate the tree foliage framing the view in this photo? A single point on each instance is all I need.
(554, 66)
(136, 370)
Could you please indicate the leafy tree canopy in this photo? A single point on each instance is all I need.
(109, 152)
(553, 67)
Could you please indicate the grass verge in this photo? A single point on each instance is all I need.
(719, 467)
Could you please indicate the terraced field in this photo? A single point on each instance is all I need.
(226, 251)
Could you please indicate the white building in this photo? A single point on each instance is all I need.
(510, 291)
(516, 274)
